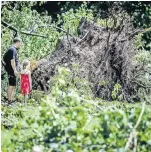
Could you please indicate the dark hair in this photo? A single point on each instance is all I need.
(16, 39)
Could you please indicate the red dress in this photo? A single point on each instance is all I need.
(25, 84)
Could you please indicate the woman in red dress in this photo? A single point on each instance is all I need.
(25, 80)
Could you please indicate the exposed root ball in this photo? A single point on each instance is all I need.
(103, 54)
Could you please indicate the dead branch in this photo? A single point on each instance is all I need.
(68, 38)
(136, 33)
(141, 85)
(83, 38)
(63, 30)
(42, 26)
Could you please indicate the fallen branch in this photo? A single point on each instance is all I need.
(3, 3)
(56, 28)
(63, 30)
(22, 32)
(140, 116)
(9, 26)
(83, 38)
(133, 134)
(33, 34)
(68, 38)
(136, 33)
(141, 85)
(146, 30)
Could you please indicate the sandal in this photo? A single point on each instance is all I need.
(10, 102)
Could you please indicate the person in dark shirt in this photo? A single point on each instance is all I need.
(11, 65)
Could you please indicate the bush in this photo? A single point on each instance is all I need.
(77, 124)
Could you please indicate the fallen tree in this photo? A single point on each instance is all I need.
(104, 55)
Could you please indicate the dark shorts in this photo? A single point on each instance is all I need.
(12, 80)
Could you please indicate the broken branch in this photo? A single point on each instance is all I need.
(22, 32)
(9, 26)
(33, 34)
(56, 28)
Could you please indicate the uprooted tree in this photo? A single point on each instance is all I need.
(104, 54)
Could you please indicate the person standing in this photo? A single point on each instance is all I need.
(12, 66)
(25, 80)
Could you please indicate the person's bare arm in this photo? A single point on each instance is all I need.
(3, 62)
(30, 80)
(20, 78)
(14, 66)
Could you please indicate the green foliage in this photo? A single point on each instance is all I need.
(65, 86)
(26, 19)
(70, 19)
(31, 21)
(14, 125)
(69, 119)
(141, 14)
(74, 123)
(142, 60)
(116, 92)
